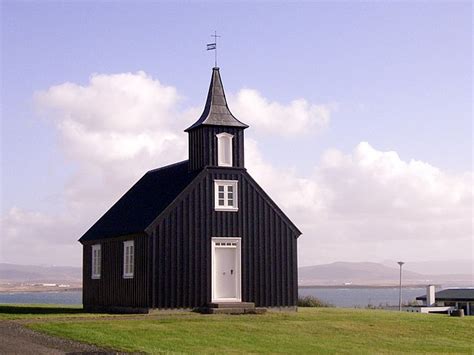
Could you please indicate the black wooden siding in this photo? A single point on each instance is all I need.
(203, 146)
(182, 247)
(112, 289)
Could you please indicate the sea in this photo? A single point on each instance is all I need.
(347, 297)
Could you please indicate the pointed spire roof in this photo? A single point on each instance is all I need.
(216, 112)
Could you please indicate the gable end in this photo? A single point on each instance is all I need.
(272, 203)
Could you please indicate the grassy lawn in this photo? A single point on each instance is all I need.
(311, 330)
(44, 311)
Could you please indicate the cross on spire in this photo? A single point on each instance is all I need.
(213, 46)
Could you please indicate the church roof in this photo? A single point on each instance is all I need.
(216, 112)
(140, 205)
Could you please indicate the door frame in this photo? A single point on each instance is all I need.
(238, 262)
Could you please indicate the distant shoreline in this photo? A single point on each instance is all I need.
(365, 286)
(76, 289)
(36, 290)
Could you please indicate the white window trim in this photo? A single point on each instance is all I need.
(96, 261)
(220, 141)
(127, 274)
(235, 185)
(218, 242)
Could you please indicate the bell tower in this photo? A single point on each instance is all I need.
(217, 137)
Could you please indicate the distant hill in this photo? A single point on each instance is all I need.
(35, 273)
(367, 273)
(437, 267)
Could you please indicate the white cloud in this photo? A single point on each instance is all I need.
(119, 117)
(30, 237)
(372, 204)
(263, 115)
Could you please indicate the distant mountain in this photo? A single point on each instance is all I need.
(35, 273)
(438, 267)
(367, 273)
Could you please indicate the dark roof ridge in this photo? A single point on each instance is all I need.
(146, 199)
(167, 166)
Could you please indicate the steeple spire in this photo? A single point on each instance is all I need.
(216, 112)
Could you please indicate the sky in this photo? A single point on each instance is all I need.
(360, 117)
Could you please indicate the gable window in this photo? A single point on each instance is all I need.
(128, 259)
(224, 149)
(225, 195)
(96, 261)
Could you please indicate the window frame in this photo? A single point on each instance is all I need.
(235, 195)
(96, 261)
(223, 138)
(128, 272)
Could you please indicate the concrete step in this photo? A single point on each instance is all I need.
(246, 305)
(234, 310)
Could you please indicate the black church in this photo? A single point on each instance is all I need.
(198, 233)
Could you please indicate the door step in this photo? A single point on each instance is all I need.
(232, 308)
(249, 305)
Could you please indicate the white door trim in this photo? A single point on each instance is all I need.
(238, 274)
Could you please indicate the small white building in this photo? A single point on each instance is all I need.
(445, 301)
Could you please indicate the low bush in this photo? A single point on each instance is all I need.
(310, 301)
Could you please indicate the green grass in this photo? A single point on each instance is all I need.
(311, 330)
(43, 311)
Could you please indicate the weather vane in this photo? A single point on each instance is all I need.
(213, 47)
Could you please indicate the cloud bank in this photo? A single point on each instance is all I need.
(365, 204)
(372, 205)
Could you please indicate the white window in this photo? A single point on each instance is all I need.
(96, 261)
(128, 259)
(224, 149)
(226, 195)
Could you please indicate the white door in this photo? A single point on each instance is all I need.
(226, 269)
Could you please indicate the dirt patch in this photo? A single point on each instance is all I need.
(16, 339)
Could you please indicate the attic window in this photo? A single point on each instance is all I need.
(96, 261)
(128, 259)
(224, 149)
(226, 195)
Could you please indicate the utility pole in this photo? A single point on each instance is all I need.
(400, 290)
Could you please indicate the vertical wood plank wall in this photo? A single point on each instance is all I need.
(203, 146)
(183, 248)
(112, 289)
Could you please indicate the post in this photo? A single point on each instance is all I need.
(400, 289)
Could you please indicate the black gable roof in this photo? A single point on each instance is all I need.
(135, 210)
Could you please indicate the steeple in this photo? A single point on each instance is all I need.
(217, 138)
(216, 112)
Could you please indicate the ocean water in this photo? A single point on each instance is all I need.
(63, 297)
(339, 297)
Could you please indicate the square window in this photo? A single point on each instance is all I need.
(226, 195)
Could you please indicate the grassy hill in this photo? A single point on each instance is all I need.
(311, 330)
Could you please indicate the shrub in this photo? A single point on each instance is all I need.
(310, 301)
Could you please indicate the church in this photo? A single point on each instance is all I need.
(197, 234)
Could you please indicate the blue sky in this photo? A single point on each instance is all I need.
(396, 74)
